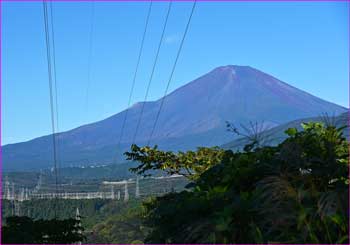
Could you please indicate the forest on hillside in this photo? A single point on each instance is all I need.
(295, 192)
(103, 221)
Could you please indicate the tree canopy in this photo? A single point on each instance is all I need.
(189, 164)
(295, 192)
(24, 230)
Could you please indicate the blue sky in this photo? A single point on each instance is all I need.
(303, 44)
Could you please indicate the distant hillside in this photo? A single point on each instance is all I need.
(193, 115)
(276, 135)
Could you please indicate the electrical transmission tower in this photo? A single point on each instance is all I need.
(137, 189)
(7, 189)
(21, 195)
(13, 197)
(17, 208)
(78, 225)
(126, 192)
(112, 192)
(39, 183)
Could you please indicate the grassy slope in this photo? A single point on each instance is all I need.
(276, 135)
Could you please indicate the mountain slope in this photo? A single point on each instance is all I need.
(193, 115)
(277, 134)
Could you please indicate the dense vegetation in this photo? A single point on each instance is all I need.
(104, 221)
(124, 226)
(92, 210)
(295, 192)
(26, 230)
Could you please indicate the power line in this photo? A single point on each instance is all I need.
(152, 72)
(49, 68)
(54, 65)
(135, 75)
(55, 89)
(92, 16)
(172, 71)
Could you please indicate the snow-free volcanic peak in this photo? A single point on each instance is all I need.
(193, 115)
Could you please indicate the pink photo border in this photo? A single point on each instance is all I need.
(147, 1)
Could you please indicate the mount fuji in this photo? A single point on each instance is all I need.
(193, 115)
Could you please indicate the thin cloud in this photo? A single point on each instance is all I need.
(172, 39)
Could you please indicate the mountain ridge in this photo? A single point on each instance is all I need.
(276, 135)
(194, 114)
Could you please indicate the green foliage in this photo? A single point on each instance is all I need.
(105, 221)
(295, 192)
(19, 230)
(92, 210)
(124, 226)
(189, 164)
